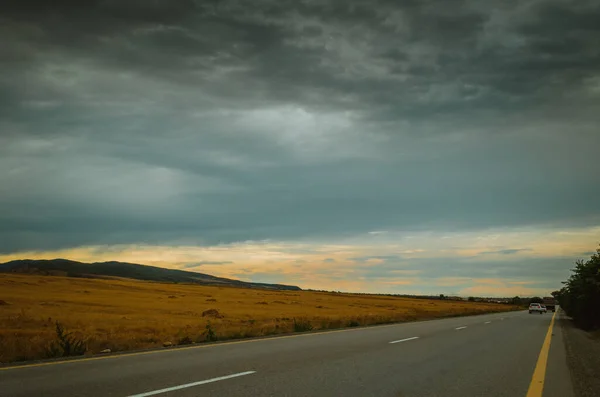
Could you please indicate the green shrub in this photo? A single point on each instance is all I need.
(210, 334)
(66, 344)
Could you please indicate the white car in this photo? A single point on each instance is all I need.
(536, 307)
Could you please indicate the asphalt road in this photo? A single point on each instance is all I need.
(489, 355)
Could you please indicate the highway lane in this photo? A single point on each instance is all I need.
(488, 355)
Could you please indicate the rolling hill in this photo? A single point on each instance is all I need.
(65, 267)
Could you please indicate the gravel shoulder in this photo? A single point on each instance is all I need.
(583, 357)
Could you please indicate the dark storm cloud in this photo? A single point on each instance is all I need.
(510, 251)
(540, 270)
(210, 122)
(380, 257)
(202, 263)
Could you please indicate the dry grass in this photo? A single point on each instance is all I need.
(127, 314)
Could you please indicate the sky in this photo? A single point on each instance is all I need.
(418, 147)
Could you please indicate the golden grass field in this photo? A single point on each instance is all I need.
(128, 314)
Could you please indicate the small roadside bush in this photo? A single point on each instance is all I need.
(66, 344)
(210, 334)
(302, 325)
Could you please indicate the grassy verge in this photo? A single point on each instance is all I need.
(125, 315)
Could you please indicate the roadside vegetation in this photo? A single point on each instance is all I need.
(52, 316)
(580, 296)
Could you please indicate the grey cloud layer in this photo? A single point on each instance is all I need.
(208, 122)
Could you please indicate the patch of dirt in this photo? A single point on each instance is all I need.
(214, 313)
(3, 303)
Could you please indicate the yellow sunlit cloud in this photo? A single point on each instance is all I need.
(352, 265)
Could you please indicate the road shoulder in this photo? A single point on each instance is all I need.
(558, 378)
(583, 358)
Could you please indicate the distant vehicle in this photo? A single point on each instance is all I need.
(536, 307)
(550, 303)
(544, 308)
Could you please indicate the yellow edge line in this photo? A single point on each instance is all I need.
(536, 387)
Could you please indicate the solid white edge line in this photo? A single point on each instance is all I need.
(202, 382)
(404, 340)
(457, 328)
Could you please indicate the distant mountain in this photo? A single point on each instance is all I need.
(69, 268)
